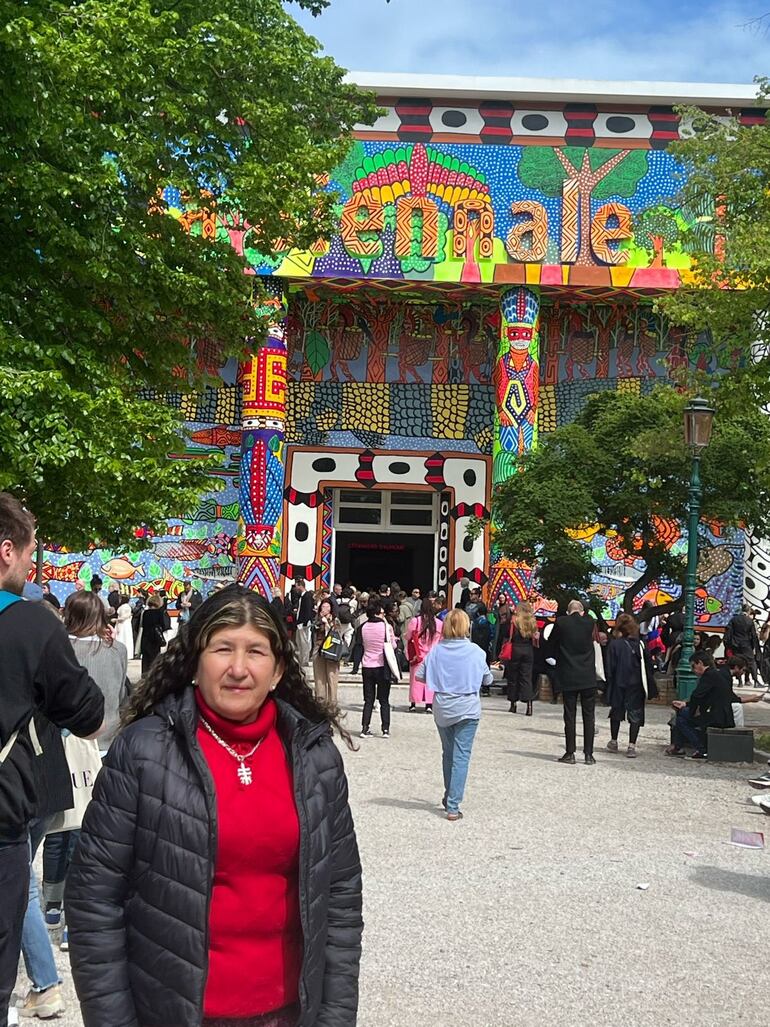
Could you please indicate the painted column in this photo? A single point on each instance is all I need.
(263, 380)
(516, 382)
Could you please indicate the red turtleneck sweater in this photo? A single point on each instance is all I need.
(255, 934)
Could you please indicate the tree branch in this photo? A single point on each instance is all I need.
(566, 163)
(605, 169)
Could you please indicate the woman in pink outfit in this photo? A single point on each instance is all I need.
(422, 634)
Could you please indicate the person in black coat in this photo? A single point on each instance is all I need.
(741, 639)
(154, 622)
(572, 640)
(168, 846)
(630, 681)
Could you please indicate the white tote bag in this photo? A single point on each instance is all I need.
(390, 656)
(84, 761)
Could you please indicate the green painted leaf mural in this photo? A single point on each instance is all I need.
(317, 351)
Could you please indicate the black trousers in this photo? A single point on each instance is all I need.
(376, 685)
(518, 674)
(14, 888)
(588, 706)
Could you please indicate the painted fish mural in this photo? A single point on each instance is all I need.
(188, 550)
(210, 510)
(68, 572)
(218, 436)
(120, 568)
(713, 561)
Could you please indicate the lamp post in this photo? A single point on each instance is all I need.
(698, 421)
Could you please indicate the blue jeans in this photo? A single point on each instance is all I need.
(35, 940)
(456, 745)
(685, 731)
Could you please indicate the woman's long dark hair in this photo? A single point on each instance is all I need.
(428, 618)
(231, 607)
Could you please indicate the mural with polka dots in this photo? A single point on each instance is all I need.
(474, 213)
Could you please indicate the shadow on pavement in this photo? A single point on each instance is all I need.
(548, 757)
(418, 804)
(715, 878)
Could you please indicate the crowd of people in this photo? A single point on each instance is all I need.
(168, 871)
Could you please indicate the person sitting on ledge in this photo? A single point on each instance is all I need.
(710, 705)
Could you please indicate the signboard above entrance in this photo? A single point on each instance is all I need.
(509, 214)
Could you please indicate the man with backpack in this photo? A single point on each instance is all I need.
(39, 672)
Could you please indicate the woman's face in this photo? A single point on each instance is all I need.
(325, 609)
(237, 671)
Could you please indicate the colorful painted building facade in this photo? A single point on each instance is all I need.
(498, 251)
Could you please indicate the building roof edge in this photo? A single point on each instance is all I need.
(708, 94)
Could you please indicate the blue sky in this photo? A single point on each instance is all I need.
(657, 40)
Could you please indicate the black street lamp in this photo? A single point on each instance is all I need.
(698, 422)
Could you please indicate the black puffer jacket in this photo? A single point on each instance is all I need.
(139, 888)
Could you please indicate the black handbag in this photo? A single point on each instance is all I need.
(401, 657)
(331, 647)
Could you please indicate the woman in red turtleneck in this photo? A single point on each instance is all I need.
(218, 880)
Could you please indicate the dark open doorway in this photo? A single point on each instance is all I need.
(369, 560)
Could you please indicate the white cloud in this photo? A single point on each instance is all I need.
(657, 40)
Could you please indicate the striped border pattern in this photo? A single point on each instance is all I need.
(421, 120)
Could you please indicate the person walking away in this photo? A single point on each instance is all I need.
(237, 899)
(152, 628)
(741, 640)
(422, 634)
(630, 681)
(572, 640)
(123, 631)
(519, 669)
(38, 673)
(326, 671)
(305, 615)
(375, 634)
(188, 602)
(106, 661)
(455, 671)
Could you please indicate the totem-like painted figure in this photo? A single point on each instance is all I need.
(516, 379)
(517, 383)
(263, 381)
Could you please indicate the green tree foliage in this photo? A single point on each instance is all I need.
(727, 185)
(656, 229)
(102, 294)
(624, 464)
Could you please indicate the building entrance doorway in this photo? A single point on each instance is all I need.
(384, 536)
(369, 562)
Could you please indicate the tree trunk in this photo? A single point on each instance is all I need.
(39, 559)
(657, 247)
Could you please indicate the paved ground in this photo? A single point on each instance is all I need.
(528, 912)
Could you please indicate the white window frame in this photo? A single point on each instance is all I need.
(386, 506)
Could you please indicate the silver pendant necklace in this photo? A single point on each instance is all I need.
(244, 773)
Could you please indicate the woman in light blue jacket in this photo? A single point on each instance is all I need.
(455, 670)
